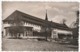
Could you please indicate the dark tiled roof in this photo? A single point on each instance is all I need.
(17, 15)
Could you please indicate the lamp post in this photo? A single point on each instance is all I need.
(46, 32)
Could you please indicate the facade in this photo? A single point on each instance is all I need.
(61, 34)
(31, 24)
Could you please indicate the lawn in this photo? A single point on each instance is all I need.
(33, 45)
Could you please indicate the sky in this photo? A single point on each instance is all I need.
(56, 11)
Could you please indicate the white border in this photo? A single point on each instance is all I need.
(0, 26)
(47, 0)
(32, 0)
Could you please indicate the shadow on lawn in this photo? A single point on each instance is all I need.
(74, 47)
(15, 38)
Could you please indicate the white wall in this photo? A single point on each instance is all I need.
(55, 32)
(6, 25)
(35, 27)
(62, 31)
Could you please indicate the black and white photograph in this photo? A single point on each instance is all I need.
(40, 26)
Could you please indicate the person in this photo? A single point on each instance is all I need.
(2, 34)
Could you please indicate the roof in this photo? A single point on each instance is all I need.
(27, 27)
(18, 15)
(60, 26)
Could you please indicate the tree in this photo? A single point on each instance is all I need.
(17, 28)
(75, 30)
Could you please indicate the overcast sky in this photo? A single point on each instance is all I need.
(56, 11)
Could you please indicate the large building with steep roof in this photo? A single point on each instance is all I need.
(31, 24)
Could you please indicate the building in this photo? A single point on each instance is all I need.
(62, 33)
(31, 24)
